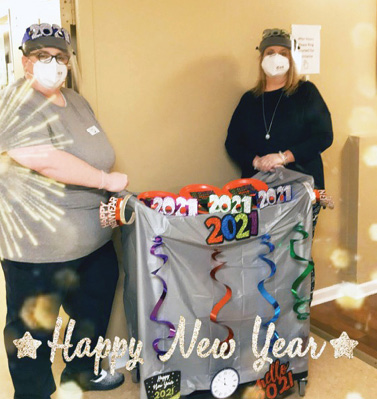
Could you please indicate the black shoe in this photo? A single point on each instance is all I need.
(103, 382)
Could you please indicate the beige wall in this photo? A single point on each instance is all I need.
(165, 76)
(358, 222)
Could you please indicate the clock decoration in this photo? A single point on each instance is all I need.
(225, 383)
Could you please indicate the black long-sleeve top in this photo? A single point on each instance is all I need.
(302, 124)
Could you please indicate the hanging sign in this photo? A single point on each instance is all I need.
(309, 43)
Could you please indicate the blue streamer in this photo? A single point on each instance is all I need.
(269, 298)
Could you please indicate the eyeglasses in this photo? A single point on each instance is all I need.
(46, 58)
(275, 32)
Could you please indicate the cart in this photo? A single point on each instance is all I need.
(193, 293)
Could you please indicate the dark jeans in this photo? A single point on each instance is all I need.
(85, 287)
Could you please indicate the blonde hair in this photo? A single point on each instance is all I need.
(293, 79)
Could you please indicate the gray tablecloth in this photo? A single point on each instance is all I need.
(192, 293)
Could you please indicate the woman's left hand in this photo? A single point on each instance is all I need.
(269, 162)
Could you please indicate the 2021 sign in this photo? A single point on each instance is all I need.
(274, 196)
(232, 227)
(175, 206)
(276, 381)
(39, 30)
(164, 386)
(244, 204)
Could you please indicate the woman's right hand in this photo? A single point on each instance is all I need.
(255, 162)
(115, 181)
(269, 162)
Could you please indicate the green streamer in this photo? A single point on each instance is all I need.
(300, 302)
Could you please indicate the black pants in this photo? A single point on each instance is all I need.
(85, 287)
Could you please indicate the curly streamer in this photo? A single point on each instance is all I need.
(224, 300)
(153, 316)
(300, 302)
(269, 298)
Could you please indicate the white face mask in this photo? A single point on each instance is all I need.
(275, 65)
(50, 75)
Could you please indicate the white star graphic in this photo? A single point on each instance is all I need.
(344, 346)
(27, 346)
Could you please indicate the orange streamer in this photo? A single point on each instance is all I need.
(224, 300)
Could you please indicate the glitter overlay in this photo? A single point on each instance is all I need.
(226, 349)
(19, 186)
(293, 349)
(102, 349)
(343, 346)
(27, 346)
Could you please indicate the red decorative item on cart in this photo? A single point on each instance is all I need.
(244, 187)
(202, 193)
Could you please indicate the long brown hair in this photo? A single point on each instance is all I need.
(291, 84)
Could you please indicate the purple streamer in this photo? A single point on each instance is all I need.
(153, 316)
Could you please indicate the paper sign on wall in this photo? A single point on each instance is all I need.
(309, 42)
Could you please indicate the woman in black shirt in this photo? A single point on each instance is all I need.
(282, 120)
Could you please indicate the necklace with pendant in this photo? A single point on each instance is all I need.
(267, 136)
